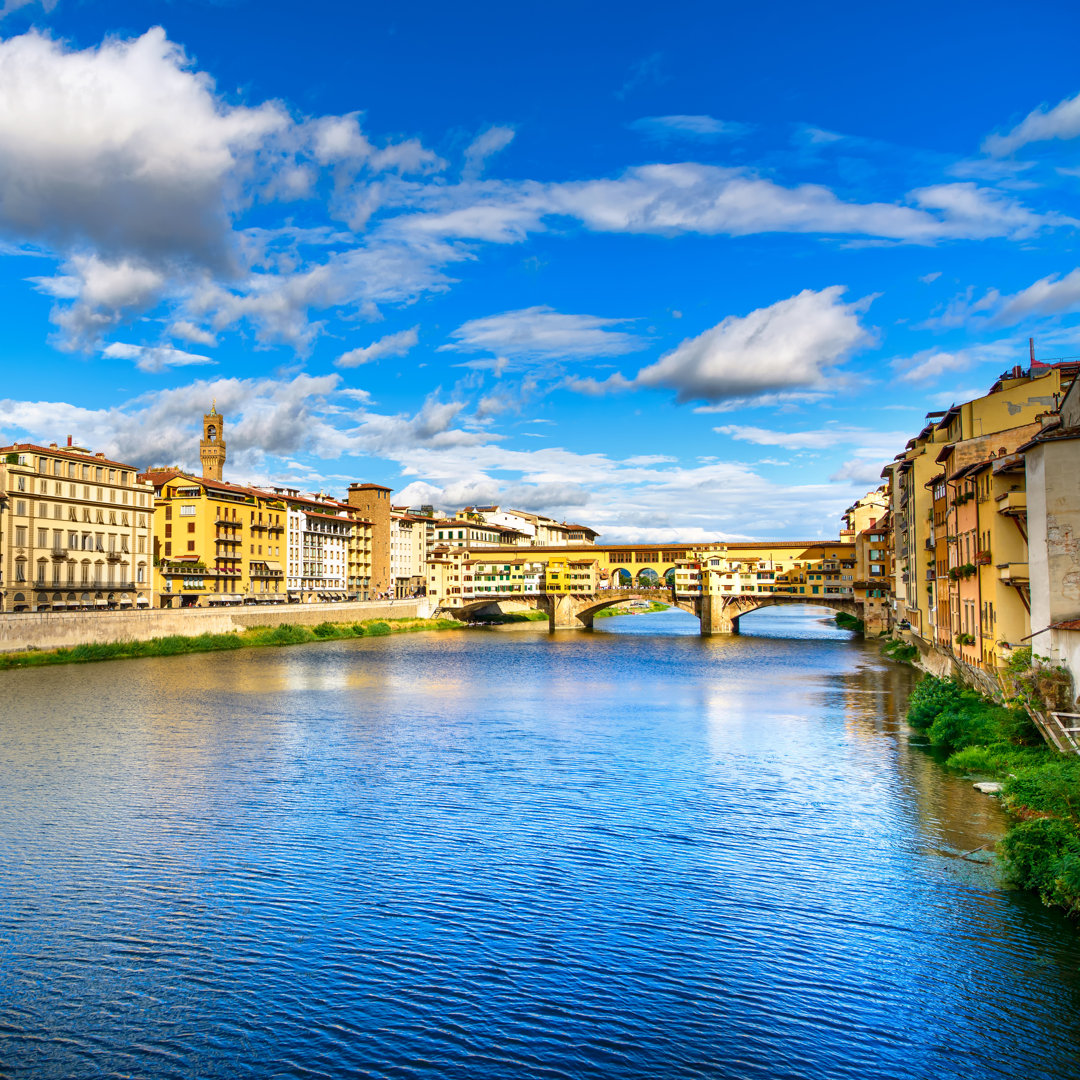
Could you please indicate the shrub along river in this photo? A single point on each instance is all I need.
(626, 853)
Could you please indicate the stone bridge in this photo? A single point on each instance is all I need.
(716, 613)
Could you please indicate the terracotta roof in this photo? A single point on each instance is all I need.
(330, 517)
(64, 452)
(1068, 624)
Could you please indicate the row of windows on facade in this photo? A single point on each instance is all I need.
(80, 541)
(26, 483)
(90, 574)
(226, 512)
(94, 514)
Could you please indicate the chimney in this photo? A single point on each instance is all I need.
(69, 440)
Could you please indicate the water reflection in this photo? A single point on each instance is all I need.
(631, 853)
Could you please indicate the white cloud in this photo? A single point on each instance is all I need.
(974, 212)
(1041, 124)
(391, 345)
(823, 438)
(933, 363)
(100, 294)
(542, 333)
(1051, 295)
(484, 146)
(793, 344)
(705, 128)
(782, 401)
(154, 358)
(121, 146)
(188, 331)
(929, 279)
(860, 471)
(293, 427)
(14, 5)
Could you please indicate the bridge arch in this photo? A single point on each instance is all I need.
(587, 612)
(647, 578)
(734, 607)
(621, 578)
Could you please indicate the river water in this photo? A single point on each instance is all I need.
(626, 853)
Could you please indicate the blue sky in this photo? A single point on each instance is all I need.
(682, 274)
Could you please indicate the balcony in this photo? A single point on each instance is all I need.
(115, 556)
(228, 521)
(1013, 573)
(59, 553)
(1013, 503)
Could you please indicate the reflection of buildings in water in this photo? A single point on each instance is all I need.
(949, 814)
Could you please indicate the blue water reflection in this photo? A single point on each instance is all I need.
(630, 853)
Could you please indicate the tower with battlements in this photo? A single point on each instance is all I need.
(212, 447)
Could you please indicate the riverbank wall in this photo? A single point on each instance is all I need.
(943, 665)
(57, 630)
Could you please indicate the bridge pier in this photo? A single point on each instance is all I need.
(563, 614)
(713, 616)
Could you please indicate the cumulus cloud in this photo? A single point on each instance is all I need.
(703, 128)
(791, 345)
(98, 294)
(391, 345)
(294, 427)
(121, 146)
(1060, 122)
(154, 358)
(485, 145)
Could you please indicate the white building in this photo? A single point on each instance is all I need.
(319, 531)
(408, 552)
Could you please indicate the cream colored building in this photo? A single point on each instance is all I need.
(408, 552)
(76, 530)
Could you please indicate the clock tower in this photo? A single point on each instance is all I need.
(212, 447)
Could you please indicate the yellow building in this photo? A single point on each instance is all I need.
(216, 543)
(1015, 401)
(76, 530)
(565, 574)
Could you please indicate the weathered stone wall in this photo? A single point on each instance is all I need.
(936, 661)
(53, 630)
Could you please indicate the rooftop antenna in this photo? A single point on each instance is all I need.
(1031, 349)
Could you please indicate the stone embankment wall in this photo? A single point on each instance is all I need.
(54, 630)
(936, 661)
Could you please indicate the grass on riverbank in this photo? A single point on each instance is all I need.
(255, 637)
(507, 617)
(654, 605)
(1041, 850)
(903, 652)
(849, 622)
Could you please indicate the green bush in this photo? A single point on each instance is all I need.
(379, 628)
(930, 697)
(900, 651)
(849, 622)
(1044, 855)
(1051, 786)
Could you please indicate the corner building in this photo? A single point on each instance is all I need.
(76, 530)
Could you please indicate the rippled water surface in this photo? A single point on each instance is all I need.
(627, 853)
